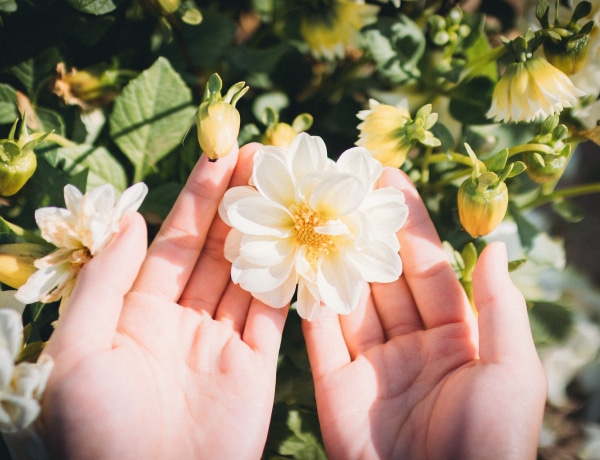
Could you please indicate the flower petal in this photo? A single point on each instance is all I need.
(265, 251)
(308, 155)
(339, 195)
(308, 304)
(42, 282)
(272, 178)
(281, 296)
(11, 333)
(339, 283)
(386, 210)
(358, 161)
(378, 264)
(258, 216)
(257, 279)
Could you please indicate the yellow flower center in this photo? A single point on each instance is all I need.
(305, 221)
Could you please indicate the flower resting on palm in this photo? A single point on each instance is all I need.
(310, 222)
(79, 232)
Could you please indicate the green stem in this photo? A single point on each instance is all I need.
(455, 157)
(542, 148)
(60, 140)
(568, 192)
(425, 166)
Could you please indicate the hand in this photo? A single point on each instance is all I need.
(164, 357)
(413, 374)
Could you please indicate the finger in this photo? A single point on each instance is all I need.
(325, 344)
(264, 328)
(362, 328)
(396, 307)
(90, 318)
(175, 249)
(437, 292)
(504, 332)
(212, 271)
(238, 304)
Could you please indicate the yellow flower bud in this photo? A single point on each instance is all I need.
(16, 262)
(279, 135)
(217, 119)
(218, 128)
(567, 55)
(482, 203)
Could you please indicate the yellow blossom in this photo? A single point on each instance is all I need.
(531, 91)
(328, 34)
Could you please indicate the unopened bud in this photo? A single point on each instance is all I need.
(16, 262)
(482, 204)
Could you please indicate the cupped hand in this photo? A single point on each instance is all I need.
(413, 374)
(158, 355)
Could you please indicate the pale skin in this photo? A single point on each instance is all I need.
(159, 355)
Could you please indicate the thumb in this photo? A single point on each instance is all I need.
(504, 331)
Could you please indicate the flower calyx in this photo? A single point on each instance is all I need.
(217, 119)
(483, 197)
(17, 158)
(548, 165)
(565, 44)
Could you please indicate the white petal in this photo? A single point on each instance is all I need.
(273, 179)
(72, 197)
(308, 304)
(57, 226)
(17, 412)
(333, 227)
(42, 282)
(378, 264)
(339, 195)
(232, 244)
(260, 279)
(339, 284)
(11, 332)
(385, 208)
(280, 297)
(131, 199)
(231, 196)
(266, 251)
(258, 216)
(358, 161)
(308, 155)
(8, 300)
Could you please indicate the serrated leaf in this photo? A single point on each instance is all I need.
(102, 167)
(151, 116)
(8, 104)
(96, 7)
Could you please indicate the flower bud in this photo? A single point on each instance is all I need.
(218, 128)
(567, 55)
(544, 168)
(217, 119)
(279, 135)
(16, 262)
(17, 159)
(482, 203)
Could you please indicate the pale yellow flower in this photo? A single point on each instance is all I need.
(532, 91)
(21, 386)
(389, 132)
(313, 223)
(329, 34)
(79, 232)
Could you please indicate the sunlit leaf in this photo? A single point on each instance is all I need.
(151, 116)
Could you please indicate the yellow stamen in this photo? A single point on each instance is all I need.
(305, 221)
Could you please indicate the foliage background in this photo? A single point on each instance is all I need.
(135, 129)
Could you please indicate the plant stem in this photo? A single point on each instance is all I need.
(568, 192)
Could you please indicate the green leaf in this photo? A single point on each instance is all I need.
(396, 45)
(151, 116)
(568, 210)
(8, 6)
(102, 167)
(301, 444)
(96, 7)
(33, 73)
(8, 104)
(470, 102)
(527, 231)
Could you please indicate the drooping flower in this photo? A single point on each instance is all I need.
(389, 132)
(306, 220)
(333, 26)
(79, 232)
(21, 386)
(530, 91)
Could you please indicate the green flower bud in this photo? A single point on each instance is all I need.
(217, 119)
(568, 55)
(544, 168)
(17, 159)
(482, 203)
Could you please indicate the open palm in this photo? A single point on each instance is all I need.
(414, 374)
(159, 355)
